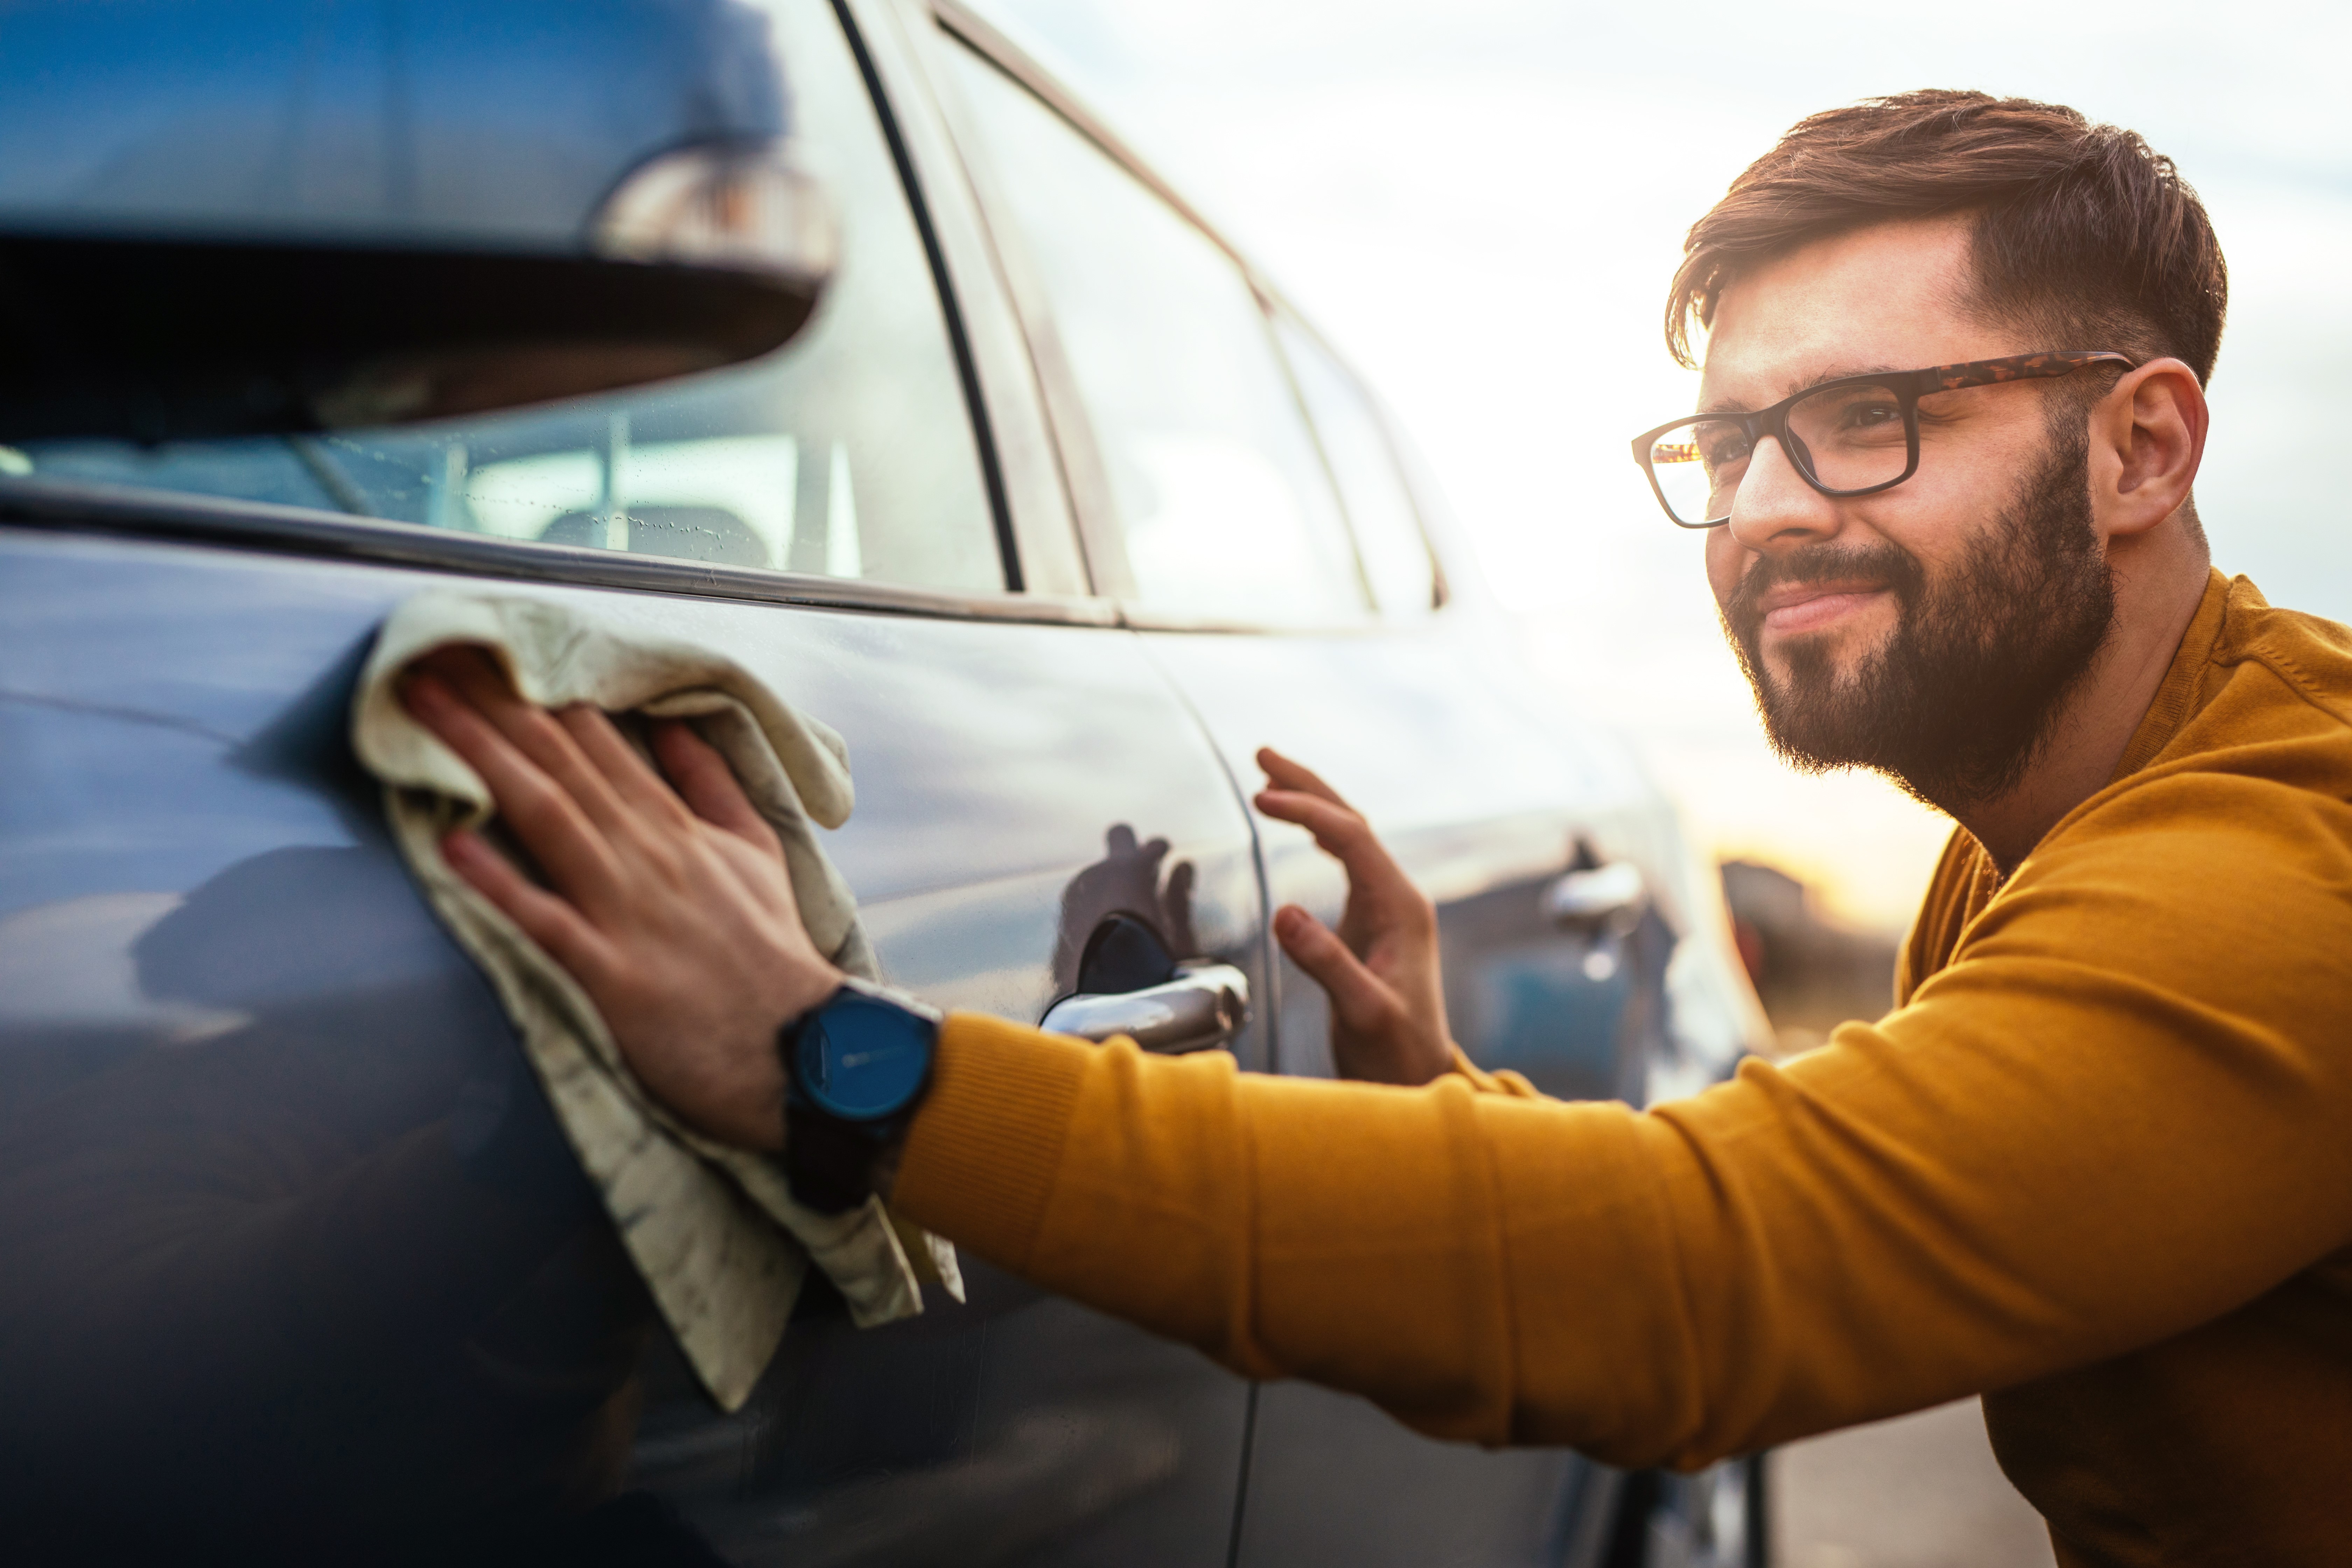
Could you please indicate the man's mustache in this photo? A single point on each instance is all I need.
(1879, 561)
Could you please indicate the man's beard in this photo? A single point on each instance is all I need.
(1964, 695)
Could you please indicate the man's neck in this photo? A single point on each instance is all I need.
(2159, 587)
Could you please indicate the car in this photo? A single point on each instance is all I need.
(974, 441)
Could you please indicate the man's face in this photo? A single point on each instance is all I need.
(1931, 631)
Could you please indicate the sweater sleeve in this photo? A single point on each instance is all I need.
(1504, 1082)
(2117, 1113)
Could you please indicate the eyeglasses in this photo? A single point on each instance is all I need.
(1852, 436)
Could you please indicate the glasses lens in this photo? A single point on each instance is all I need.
(1697, 466)
(1852, 436)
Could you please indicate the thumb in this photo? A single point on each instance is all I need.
(1358, 995)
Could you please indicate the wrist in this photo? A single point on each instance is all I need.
(807, 988)
(855, 1068)
(754, 1114)
(756, 1119)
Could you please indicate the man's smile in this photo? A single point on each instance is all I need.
(1793, 607)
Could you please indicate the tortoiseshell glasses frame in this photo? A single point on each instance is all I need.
(1841, 417)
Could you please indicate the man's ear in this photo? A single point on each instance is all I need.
(2148, 437)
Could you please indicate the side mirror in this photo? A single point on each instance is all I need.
(242, 218)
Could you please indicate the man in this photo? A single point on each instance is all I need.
(2095, 1165)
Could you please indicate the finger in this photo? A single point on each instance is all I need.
(708, 786)
(472, 673)
(1358, 995)
(1286, 774)
(546, 817)
(547, 920)
(1342, 833)
(652, 814)
(454, 662)
(479, 681)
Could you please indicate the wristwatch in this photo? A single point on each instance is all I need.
(854, 1069)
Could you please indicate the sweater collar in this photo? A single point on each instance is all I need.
(2183, 683)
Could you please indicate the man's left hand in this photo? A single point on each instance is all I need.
(1381, 967)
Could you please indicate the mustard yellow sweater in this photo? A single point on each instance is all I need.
(2095, 1165)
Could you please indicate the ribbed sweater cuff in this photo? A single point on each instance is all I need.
(982, 1153)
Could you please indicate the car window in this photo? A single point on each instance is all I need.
(849, 452)
(1224, 504)
(1387, 525)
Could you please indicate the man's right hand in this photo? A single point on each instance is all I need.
(1381, 967)
(667, 897)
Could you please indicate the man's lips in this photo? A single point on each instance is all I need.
(1807, 606)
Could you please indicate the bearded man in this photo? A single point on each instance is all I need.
(2095, 1165)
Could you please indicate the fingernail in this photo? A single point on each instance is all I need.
(460, 844)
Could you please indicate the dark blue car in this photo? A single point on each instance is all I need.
(836, 337)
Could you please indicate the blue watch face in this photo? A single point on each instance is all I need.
(861, 1058)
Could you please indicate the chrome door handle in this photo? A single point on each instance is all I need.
(1608, 897)
(1202, 1008)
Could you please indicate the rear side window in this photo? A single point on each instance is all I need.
(1223, 504)
(848, 453)
(1397, 562)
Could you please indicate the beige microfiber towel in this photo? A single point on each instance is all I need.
(713, 1229)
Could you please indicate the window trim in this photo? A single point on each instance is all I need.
(1044, 522)
(1074, 426)
(1085, 476)
(910, 182)
(225, 523)
(1280, 314)
(963, 22)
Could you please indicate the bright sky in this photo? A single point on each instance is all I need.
(1482, 200)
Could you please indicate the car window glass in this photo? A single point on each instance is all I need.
(1223, 504)
(849, 452)
(1387, 525)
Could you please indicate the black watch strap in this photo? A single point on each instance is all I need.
(829, 1162)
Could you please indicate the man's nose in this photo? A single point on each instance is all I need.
(1774, 507)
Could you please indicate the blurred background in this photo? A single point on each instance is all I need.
(1481, 202)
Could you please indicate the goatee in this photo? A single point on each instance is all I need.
(1964, 695)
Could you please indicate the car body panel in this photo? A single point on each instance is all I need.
(195, 889)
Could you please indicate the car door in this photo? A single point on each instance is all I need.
(273, 1295)
(1273, 552)
(1554, 962)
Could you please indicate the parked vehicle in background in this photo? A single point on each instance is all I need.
(1054, 509)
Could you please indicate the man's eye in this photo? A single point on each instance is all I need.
(1720, 449)
(1847, 415)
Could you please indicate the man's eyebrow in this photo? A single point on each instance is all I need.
(1732, 405)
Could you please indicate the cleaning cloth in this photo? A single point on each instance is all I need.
(713, 1229)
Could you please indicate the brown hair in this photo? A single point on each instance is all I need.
(2083, 231)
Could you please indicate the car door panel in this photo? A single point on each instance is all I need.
(1485, 810)
(1332, 1481)
(197, 900)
